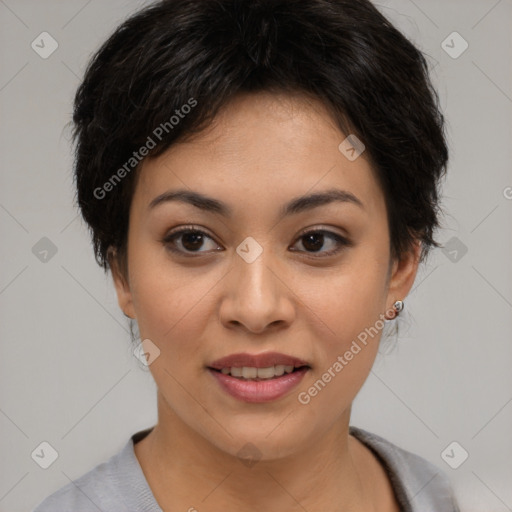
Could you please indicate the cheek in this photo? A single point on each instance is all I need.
(348, 300)
(349, 325)
(346, 315)
(169, 301)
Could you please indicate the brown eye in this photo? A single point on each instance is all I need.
(314, 241)
(187, 240)
(190, 241)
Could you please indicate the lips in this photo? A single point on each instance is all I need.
(258, 377)
(264, 360)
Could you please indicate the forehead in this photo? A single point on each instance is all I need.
(262, 147)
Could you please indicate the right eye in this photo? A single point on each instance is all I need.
(186, 240)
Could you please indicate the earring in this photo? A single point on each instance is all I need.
(398, 306)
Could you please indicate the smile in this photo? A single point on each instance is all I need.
(259, 389)
(251, 372)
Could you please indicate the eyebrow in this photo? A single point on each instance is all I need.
(295, 206)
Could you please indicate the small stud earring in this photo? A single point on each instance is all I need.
(398, 306)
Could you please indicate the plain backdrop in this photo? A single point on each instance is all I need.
(67, 372)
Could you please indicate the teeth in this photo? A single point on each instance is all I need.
(279, 369)
(250, 372)
(265, 373)
(236, 372)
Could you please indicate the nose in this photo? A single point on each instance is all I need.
(258, 295)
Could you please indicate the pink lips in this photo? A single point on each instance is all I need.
(262, 390)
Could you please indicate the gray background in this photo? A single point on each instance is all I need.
(68, 375)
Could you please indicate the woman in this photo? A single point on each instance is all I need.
(261, 178)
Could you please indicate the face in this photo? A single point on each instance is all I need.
(252, 274)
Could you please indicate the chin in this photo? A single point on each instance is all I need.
(261, 440)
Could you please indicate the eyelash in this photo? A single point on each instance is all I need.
(343, 242)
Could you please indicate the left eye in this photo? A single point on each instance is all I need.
(316, 239)
(191, 240)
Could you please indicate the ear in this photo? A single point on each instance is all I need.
(402, 275)
(121, 283)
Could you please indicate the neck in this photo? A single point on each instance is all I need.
(185, 470)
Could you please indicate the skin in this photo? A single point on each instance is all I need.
(262, 150)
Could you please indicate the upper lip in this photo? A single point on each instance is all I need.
(264, 360)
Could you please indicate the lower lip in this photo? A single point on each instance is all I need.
(262, 390)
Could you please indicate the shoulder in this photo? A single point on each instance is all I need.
(102, 488)
(418, 484)
(85, 493)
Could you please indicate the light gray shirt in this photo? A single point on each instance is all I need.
(119, 485)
